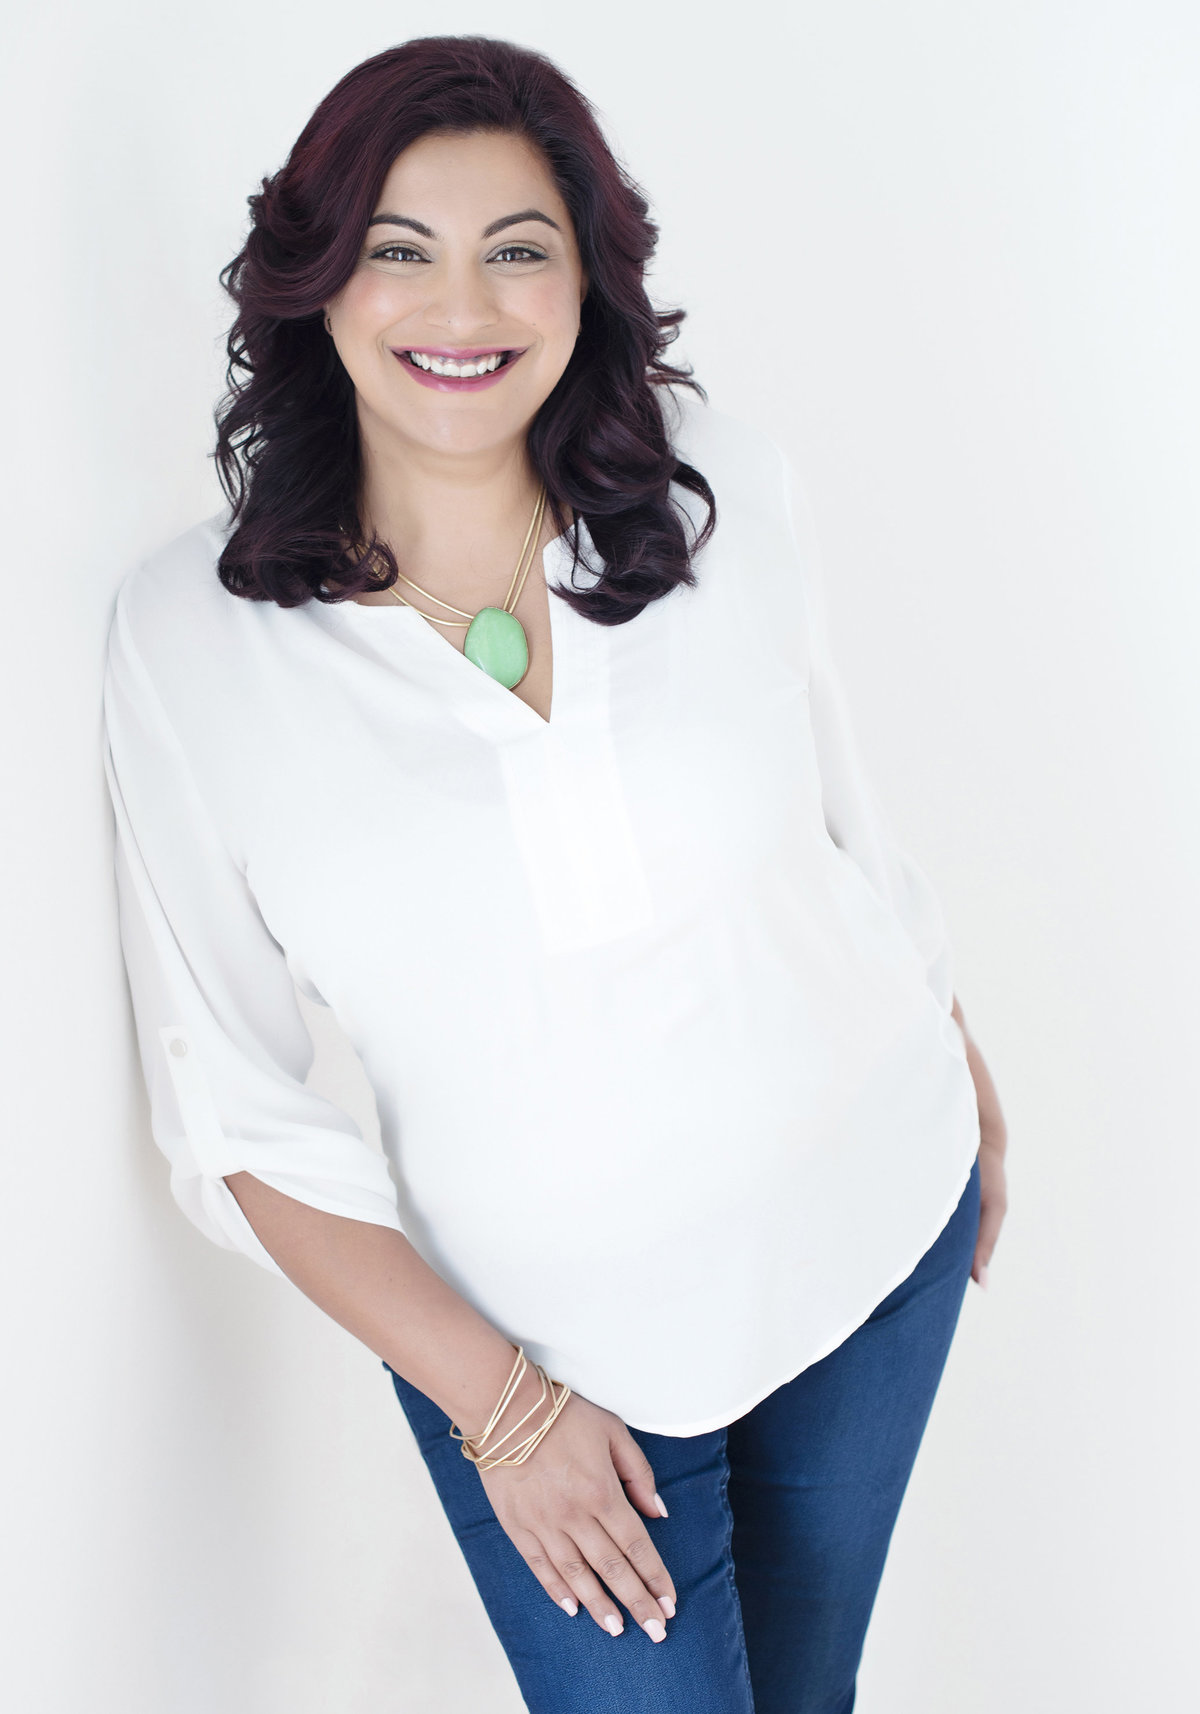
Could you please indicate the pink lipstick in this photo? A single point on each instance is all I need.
(448, 357)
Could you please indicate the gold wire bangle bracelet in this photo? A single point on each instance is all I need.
(489, 1459)
(491, 1451)
(475, 1441)
(519, 1453)
(527, 1447)
(510, 1387)
(520, 1363)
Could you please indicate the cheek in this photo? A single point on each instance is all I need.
(370, 305)
(552, 309)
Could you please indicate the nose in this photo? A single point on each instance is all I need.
(462, 300)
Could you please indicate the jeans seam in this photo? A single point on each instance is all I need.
(732, 1579)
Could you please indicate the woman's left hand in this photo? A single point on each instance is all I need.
(993, 1142)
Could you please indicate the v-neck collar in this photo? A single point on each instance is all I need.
(579, 650)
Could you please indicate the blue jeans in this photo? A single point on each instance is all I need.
(778, 1529)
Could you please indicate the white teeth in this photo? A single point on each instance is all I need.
(451, 366)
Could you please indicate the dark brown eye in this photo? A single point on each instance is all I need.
(396, 253)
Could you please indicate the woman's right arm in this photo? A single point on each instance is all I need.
(570, 1508)
(264, 1164)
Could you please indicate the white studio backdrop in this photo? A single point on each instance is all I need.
(947, 254)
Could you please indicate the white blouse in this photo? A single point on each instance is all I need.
(655, 1010)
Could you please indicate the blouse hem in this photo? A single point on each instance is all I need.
(724, 1418)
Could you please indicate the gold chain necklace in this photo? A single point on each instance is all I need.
(495, 639)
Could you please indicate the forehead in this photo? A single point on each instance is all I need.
(474, 177)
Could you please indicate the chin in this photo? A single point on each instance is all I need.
(464, 433)
(468, 424)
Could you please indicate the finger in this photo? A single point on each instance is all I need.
(990, 1222)
(583, 1584)
(550, 1577)
(616, 1571)
(622, 1523)
(633, 1467)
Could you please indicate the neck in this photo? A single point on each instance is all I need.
(455, 521)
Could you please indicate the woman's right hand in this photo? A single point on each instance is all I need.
(564, 1508)
(569, 1511)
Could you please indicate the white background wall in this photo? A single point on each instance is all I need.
(947, 253)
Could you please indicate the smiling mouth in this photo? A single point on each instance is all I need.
(459, 368)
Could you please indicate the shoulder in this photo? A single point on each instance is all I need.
(183, 653)
(175, 588)
(171, 607)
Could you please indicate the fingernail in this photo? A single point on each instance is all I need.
(983, 1278)
(569, 1606)
(613, 1625)
(658, 1501)
(656, 1630)
(667, 1605)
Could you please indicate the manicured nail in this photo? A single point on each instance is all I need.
(667, 1605)
(983, 1278)
(658, 1501)
(569, 1606)
(656, 1630)
(613, 1625)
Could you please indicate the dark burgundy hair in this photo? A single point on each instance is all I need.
(287, 444)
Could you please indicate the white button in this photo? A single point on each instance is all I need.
(179, 1047)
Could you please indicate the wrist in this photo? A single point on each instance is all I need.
(516, 1428)
(521, 1398)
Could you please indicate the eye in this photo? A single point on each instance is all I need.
(396, 253)
(519, 253)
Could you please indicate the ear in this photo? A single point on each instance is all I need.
(584, 284)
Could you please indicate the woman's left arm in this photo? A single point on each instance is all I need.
(993, 1141)
(860, 826)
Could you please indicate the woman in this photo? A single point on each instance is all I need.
(497, 715)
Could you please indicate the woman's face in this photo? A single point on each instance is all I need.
(470, 262)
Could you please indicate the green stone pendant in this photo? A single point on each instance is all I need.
(496, 642)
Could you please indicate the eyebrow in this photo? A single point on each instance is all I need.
(488, 231)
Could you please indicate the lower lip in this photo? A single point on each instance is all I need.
(456, 383)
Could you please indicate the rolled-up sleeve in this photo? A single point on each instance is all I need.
(223, 1044)
(854, 813)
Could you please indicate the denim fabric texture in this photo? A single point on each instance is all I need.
(778, 1531)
